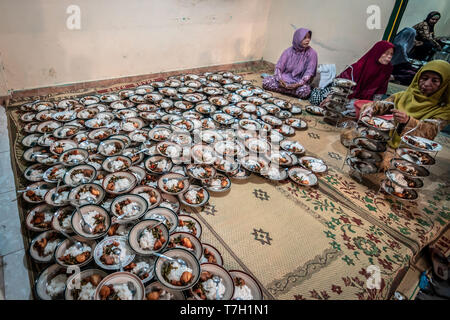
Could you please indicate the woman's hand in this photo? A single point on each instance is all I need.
(283, 84)
(325, 102)
(400, 116)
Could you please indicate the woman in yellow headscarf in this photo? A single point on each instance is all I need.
(428, 97)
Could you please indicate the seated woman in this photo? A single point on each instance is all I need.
(428, 97)
(296, 68)
(404, 42)
(426, 43)
(371, 74)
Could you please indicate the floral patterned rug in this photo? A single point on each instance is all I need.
(338, 240)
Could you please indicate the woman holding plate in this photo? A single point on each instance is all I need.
(371, 74)
(296, 68)
(428, 97)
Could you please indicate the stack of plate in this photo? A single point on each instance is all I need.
(364, 152)
(335, 109)
(409, 167)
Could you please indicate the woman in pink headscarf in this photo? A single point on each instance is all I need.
(296, 67)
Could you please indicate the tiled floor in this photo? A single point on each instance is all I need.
(14, 281)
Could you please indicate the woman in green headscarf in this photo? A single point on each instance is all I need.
(428, 97)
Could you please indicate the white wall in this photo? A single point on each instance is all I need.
(340, 35)
(417, 10)
(124, 38)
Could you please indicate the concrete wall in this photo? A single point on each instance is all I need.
(340, 34)
(124, 38)
(417, 11)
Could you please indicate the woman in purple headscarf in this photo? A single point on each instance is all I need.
(296, 68)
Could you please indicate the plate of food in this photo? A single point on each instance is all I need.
(345, 83)
(314, 164)
(297, 123)
(186, 241)
(139, 136)
(150, 194)
(257, 101)
(215, 283)
(258, 145)
(173, 183)
(170, 202)
(223, 118)
(189, 224)
(398, 192)
(249, 124)
(100, 134)
(417, 157)
(281, 158)
(403, 180)
(365, 155)
(373, 134)
(82, 285)
(87, 113)
(272, 109)
(218, 183)
(78, 254)
(58, 197)
(274, 172)
(302, 177)
(194, 97)
(120, 286)
(240, 173)
(203, 154)
(35, 172)
(60, 146)
(421, 144)
(179, 274)
(160, 133)
(118, 183)
(89, 193)
(116, 163)
(51, 283)
(128, 208)
(91, 222)
(285, 130)
(148, 236)
(254, 164)
(156, 291)
(40, 218)
(315, 110)
(158, 164)
(211, 255)
(112, 253)
(227, 148)
(165, 215)
(410, 169)
(80, 174)
(378, 123)
(48, 126)
(194, 196)
(62, 219)
(73, 157)
(43, 246)
(200, 171)
(45, 115)
(205, 108)
(35, 193)
(292, 146)
(369, 144)
(245, 286)
(169, 149)
(361, 166)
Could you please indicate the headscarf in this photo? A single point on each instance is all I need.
(370, 75)
(431, 15)
(404, 42)
(417, 105)
(297, 62)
